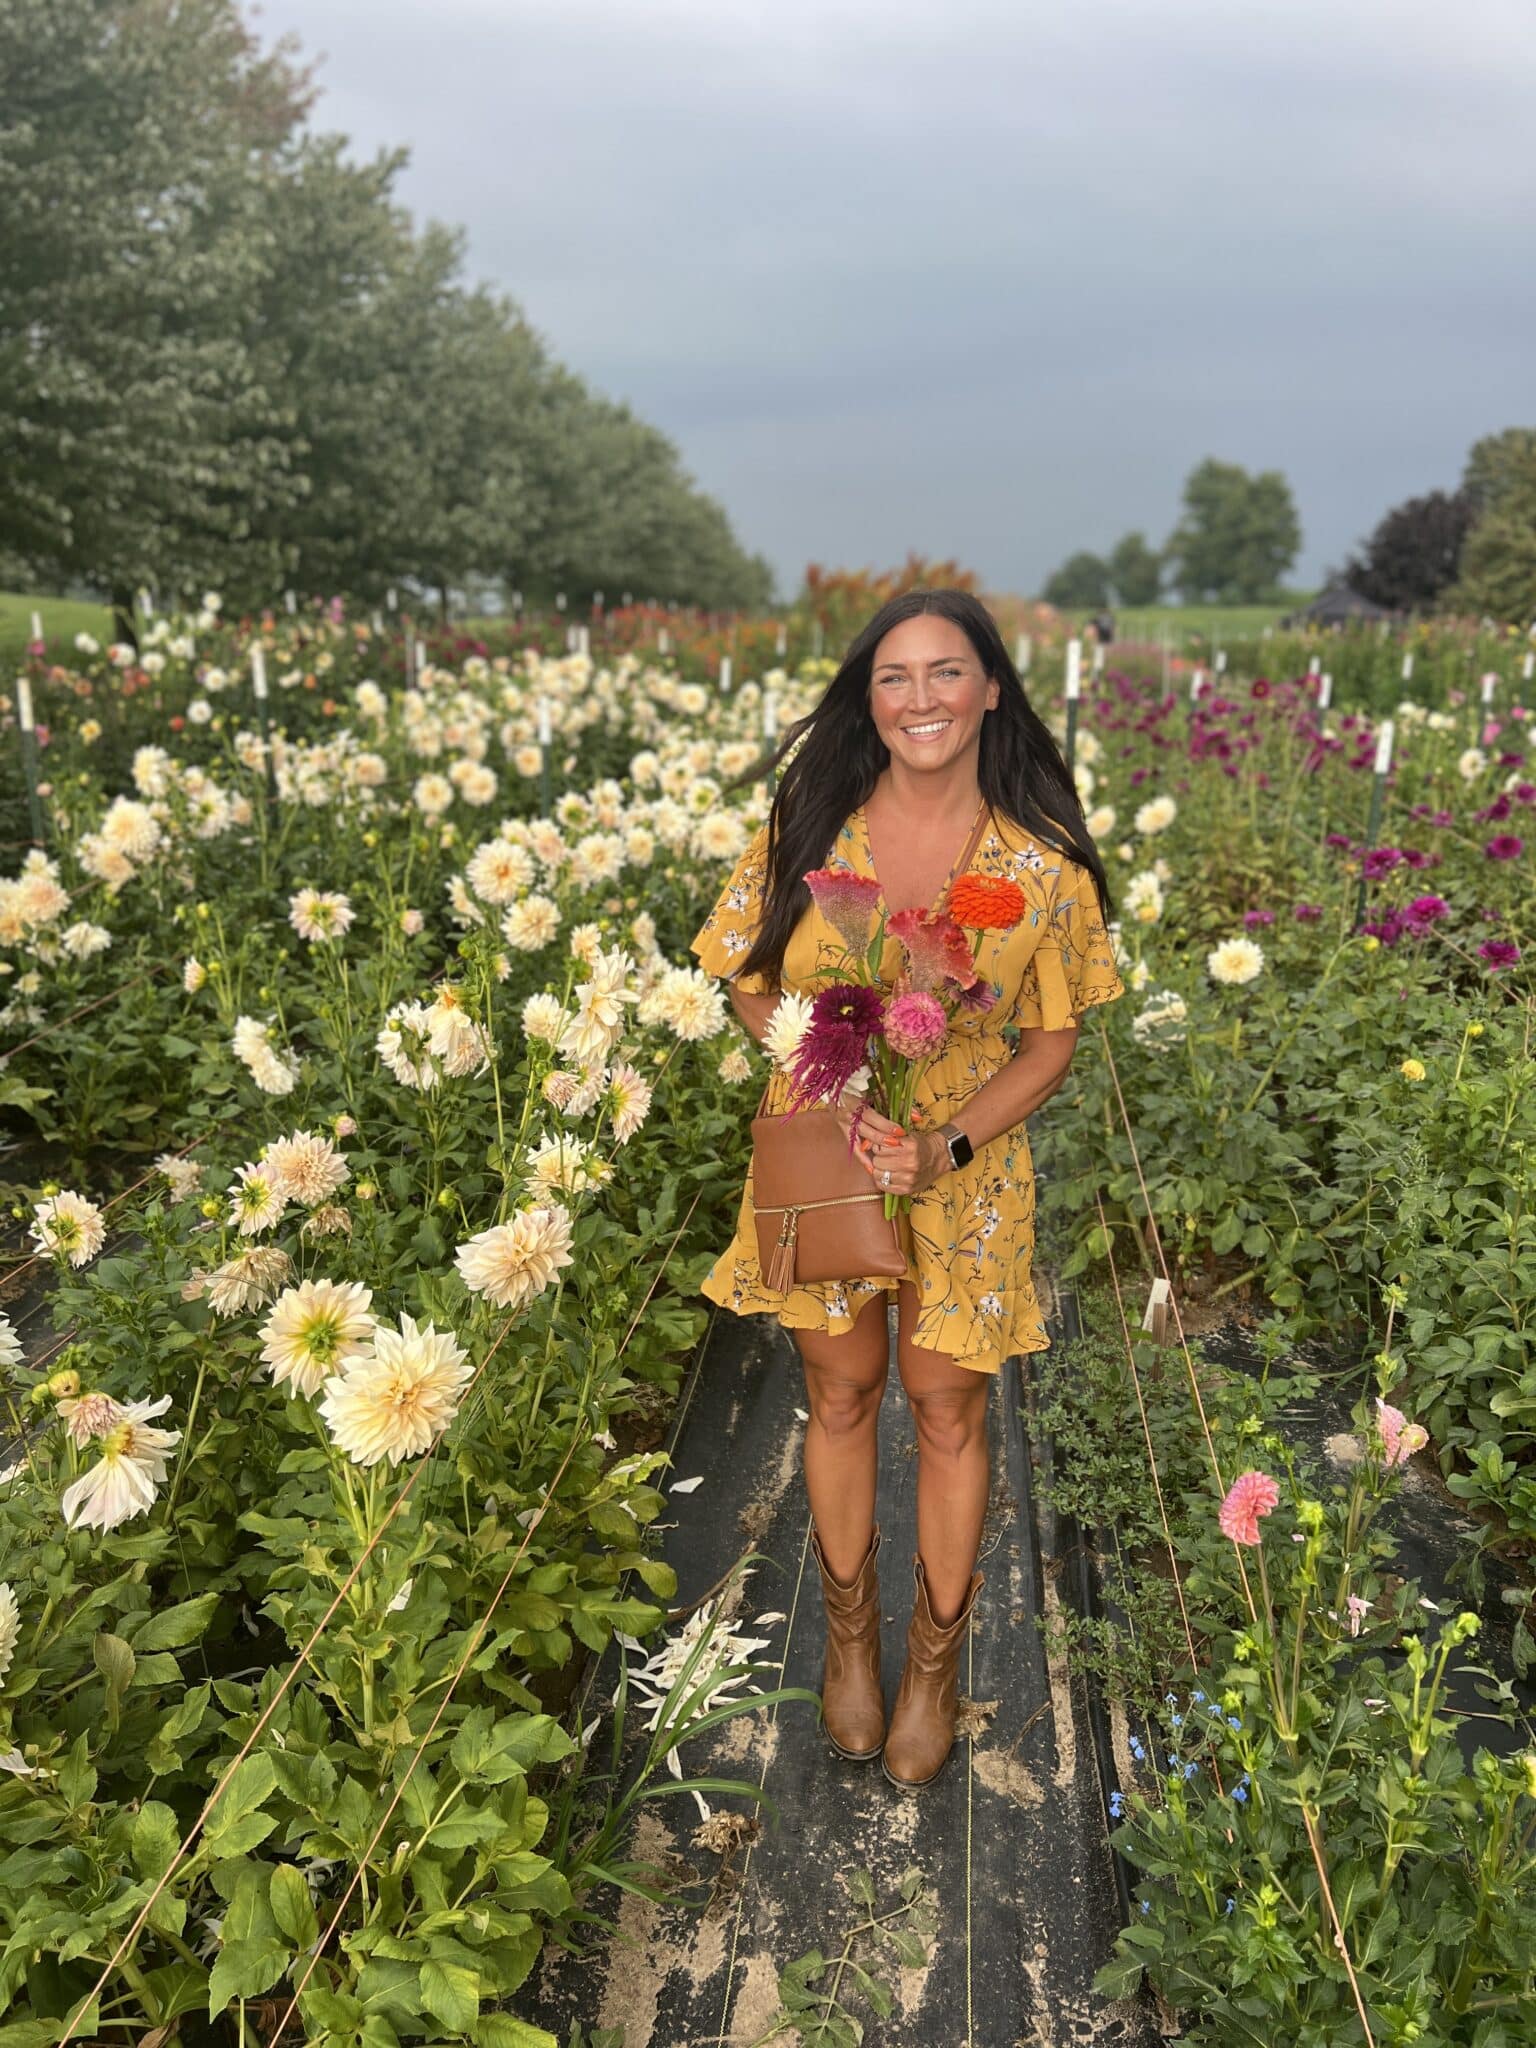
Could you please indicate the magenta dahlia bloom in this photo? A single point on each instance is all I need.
(915, 1025)
(844, 1018)
(847, 901)
(1381, 859)
(1425, 909)
(1498, 953)
(1504, 846)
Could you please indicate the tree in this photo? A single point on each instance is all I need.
(1414, 552)
(1081, 584)
(1498, 562)
(136, 433)
(1238, 535)
(1135, 570)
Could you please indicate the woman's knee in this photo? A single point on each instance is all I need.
(950, 1421)
(845, 1376)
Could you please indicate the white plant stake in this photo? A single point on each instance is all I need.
(24, 704)
(37, 626)
(725, 674)
(1074, 667)
(1408, 667)
(259, 674)
(291, 602)
(546, 733)
(1490, 681)
(1384, 747)
(1324, 692)
(663, 642)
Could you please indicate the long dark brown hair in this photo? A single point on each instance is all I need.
(839, 755)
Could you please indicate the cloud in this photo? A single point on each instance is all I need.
(979, 281)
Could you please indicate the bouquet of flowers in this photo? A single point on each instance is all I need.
(853, 1032)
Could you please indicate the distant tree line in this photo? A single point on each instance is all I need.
(227, 356)
(1471, 551)
(1236, 537)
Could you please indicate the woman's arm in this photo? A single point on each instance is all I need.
(754, 1011)
(916, 1159)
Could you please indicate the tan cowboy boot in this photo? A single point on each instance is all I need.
(852, 1705)
(922, 1728)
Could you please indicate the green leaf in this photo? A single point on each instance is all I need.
(451, 1994)
(292, 1906)
(115, 1661)
(156, 1838)
(174, 1627)
(244, 1789)
(501, 2030)
(245, 1968)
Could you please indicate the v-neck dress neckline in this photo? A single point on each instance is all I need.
(965, 844)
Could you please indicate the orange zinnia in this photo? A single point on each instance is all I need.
(986, 903)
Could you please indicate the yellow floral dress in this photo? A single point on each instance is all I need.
(972, 1233)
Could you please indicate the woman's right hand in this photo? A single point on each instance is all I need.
(873, 1128)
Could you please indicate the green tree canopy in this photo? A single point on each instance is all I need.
(1498, 560)
(1238, 535)
(1080, 584)
(227, 356)
(1135, 570)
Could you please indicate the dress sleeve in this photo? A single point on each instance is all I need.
(723, 939)
(1073, 966)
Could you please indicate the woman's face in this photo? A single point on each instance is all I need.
(928, 692)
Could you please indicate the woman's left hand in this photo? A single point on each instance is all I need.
(914, 1161)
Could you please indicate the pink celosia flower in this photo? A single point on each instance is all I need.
(1400, 1438)
(934, 945)
(915, 1025)
(1251, 1495)
(847, 901)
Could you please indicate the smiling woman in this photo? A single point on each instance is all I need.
(923, 755)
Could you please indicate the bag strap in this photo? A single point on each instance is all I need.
(983, 821)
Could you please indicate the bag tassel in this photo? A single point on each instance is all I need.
(781, 1267)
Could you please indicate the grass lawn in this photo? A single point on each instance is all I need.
(62, 617)
(1215, 623)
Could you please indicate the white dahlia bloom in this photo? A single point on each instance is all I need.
(1235, 961)
(512, 1262)
(1156, 815)
(68, 1223)
(402, 1044)
(399, 1397)
(314, 1330)
(126, 1477)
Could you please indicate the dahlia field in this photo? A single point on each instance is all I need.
(368, 1138)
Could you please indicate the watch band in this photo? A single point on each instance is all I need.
(961, 1150)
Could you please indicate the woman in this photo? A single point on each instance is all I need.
(924, 730)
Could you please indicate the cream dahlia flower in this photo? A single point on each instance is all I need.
(316, 1329)
(398, 1398)
(68, 1223)
(125, 1478)
(512, 1262)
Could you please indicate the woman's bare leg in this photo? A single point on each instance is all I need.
(949, 1407)
(844, 1381)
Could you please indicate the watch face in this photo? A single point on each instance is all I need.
(960, 1149)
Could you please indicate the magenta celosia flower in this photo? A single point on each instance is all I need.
(844, 1018)
(1248, 1497)
(915, 1025)
(934, 945)
(1252, 919)
(1400, 1438)
(1498, 953)
(1504, 846)
(847, 901)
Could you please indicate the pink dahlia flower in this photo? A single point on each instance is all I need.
(1251, 1495)
(847, 901)
(915, 1025)
(1400, 1438)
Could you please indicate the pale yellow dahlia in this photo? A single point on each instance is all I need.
(316, 1328)
(398, 1398)
(512, 1262)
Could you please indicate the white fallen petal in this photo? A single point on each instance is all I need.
(400, 1598)
(767, 1620)
(801, 1415)
(686, 1485)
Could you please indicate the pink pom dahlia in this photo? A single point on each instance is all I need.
(1251, 1495)
(915, 1025)
(847, 901)
(1400, 1438)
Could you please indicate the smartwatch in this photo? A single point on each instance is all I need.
(961, 1150)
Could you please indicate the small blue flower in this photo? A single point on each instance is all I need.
(1170, 1699)
(1230, 1904)
(1146, 1905)
(1197, 1697)
(1136, 1749)
(1214, 1708)
(1116, 1805)
(1173, 1762)
(1240, 1793)
(1233, 1721)
(1190, 1770)
(1177, 1720)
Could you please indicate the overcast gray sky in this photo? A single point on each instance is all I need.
(985, 281)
